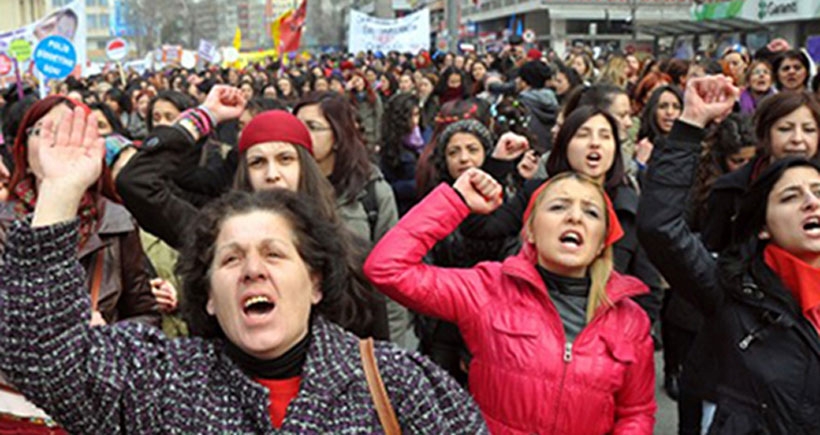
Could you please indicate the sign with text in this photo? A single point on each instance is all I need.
(116, 49)
(207, 50)
(68, 22)
(410, 33)
(55, 57)
(764, 11)
(5, 64)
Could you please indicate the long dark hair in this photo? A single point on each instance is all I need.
(352, 168)
(181, 101)
(322, 244)
(791, 54)
(734, 133)
(558, 161)
(442, 86)
(600, 95)
(649, 121)
(112, 118)
(396, 125)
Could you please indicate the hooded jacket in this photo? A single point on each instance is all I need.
(544, 108)
(525, 376)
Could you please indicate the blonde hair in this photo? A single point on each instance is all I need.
(614, 72)
(601, 268)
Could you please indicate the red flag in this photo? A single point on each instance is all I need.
(291, 29)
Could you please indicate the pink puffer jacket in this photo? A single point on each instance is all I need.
(524, 375)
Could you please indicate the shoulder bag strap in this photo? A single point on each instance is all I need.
(96, 279)
(387, 416)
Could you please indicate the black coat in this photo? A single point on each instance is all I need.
(763, 355)
(722, 205)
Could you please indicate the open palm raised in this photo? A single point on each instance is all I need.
(71, 153)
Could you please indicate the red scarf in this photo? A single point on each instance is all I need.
(802, 280)
(27, 198)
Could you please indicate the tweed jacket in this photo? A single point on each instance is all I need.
(129, 378)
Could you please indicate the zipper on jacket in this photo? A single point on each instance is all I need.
(567, 359)
(568, 352)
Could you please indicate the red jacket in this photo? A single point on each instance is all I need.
(524, 376)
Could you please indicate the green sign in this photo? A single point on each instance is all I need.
(718, 10)
(20, 49)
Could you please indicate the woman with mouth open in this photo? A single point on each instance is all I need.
(557, 345)
(760, 296)
(265, 284)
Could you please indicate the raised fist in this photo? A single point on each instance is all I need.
(480, 191)
(510, 146)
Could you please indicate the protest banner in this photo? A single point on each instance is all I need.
(68, 21)
(407, 34)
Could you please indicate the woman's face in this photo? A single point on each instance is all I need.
(793, 214)
(794, 135)
(740, 158)
(463, 151)
(261, 290)
(458, 62)
(621, 110)
(591, 150)
(371, 76)
(695, 71)
(479, 71)
(321, 132)
(454, 81)
(113, 104)
(358, 84)
(425, 87)
(760, 80)
(569, 227)
(579, 65)
(561, 83)
(737, 65)
(406, 84)
(336, 86)
(320, 85)
(164, 113)
(273, 165)
(142, 105)
(285, 87)
(35, 138)
(247, 91)
(633, 66)
(792, 74)
(103, 124)
(667, 112)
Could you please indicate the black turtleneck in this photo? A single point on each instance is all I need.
(569, 295)
(286, 366)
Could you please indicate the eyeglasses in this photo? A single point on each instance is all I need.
(760, 72)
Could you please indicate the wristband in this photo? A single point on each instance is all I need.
(209, 114)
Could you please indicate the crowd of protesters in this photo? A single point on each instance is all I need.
(212, 250)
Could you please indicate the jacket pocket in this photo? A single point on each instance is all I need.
(515, 339)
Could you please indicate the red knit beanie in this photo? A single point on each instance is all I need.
(275, 126)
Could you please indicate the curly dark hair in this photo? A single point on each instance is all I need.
(726, 139)
(396, 125)
(323, 245)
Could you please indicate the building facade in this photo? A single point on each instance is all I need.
(18, 13)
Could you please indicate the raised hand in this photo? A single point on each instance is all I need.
(528, 165)
(480, 191)
(225, 103)
(708, 99)
(71, 153)
(70, 158)
(510, 146)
